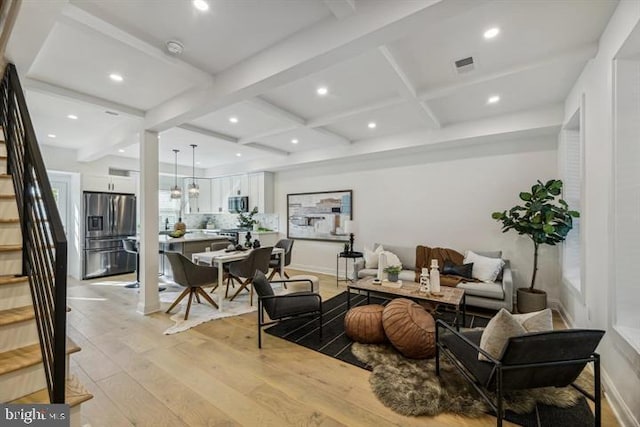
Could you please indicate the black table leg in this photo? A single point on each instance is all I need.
(348, 297)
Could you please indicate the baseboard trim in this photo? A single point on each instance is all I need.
(313, 269)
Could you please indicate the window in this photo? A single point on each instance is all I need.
(626, 203)
(571, 149)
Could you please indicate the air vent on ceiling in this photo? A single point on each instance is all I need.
(464, 65)
(119, 172)
(112, 113)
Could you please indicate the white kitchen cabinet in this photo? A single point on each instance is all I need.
(261, 191)
(202, 203)
(108, 184)
(257, 186)
(216, 195)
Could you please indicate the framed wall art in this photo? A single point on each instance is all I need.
(320, 215)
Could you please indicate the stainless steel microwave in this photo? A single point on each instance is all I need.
(238, 204)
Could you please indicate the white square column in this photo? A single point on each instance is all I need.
(148, 299)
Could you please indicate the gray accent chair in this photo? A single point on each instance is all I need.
(540, 359)
(494, 296)
(282, 307)
(193, 277)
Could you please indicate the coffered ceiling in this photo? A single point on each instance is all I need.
(246, 86)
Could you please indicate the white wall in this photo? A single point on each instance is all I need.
(620, 362)
(441, 197)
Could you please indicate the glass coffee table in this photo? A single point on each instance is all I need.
(448, 296)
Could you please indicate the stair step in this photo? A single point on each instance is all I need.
(14, 292)
(10, 260)
(16, 315)
(23, 357)
(9, 220)
(75, 394)
(17, 327)
(10, 280)
(10, 233)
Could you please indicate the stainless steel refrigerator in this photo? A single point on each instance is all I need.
(108, 218)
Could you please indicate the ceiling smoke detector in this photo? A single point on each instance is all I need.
(174, 47)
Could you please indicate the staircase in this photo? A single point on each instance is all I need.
(32, 320)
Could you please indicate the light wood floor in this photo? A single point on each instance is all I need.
(214, 374)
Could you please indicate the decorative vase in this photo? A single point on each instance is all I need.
(393, 277)
(435, 277)
(530, 300)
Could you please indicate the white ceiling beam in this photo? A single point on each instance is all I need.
(79, 18)
(39, 86)
(271, 132)
(230, 140)
(341, 8)
(341, 115)
(268, 149)
(122, 135)
(315, 49)
(335, 136)
(407, 90)
(275, 111)
(542, 122)
(580, 54)
(208, 132)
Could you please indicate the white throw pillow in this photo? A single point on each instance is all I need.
(371, 256)
(505, 325)
(484, 268)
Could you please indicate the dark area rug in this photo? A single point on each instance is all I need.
(336, 344)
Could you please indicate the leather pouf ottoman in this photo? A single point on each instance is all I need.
(364, 324)
(410, 328)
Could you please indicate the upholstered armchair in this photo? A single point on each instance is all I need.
(282, 307)
(193, 277)
(532, 360)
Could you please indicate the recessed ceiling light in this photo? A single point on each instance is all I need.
(233, 119)
(197, 163)
(294, 141)
(201, 5)
(52, 136)
(372, 125)
(72, 117)
(493, 99)
(491, 33)
(238, 154)
(120, 150)
(116, 77)
(322, 91)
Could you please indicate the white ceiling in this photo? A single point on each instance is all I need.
(386, 62)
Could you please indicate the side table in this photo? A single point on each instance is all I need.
(347, 256)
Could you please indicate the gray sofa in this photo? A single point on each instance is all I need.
(495, 295)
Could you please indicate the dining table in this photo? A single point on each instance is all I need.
(220, 257)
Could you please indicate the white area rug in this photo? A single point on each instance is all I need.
(204, 311)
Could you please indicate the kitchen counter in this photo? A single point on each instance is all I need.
(191, 237)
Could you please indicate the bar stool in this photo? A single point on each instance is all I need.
(131, 247)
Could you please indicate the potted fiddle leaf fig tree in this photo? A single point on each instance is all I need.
(546, 219)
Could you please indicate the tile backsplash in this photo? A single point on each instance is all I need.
(223, 220)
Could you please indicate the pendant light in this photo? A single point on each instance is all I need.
(194, 190)
(176, 191)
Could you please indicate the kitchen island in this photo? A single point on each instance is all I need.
(189, 243)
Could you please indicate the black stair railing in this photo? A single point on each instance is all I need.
(44, 245)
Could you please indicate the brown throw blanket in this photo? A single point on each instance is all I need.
(424, 255)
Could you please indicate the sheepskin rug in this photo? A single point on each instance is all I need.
(411, 387)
